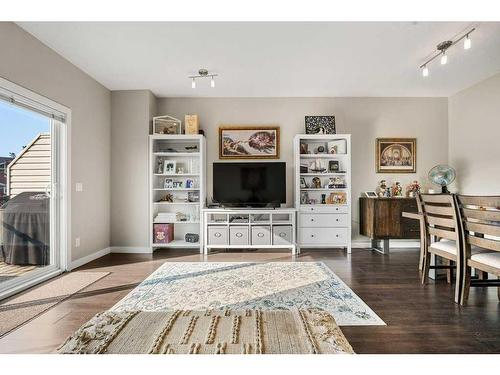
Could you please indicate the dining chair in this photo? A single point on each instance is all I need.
(480, 217)
(441, 222)
(423, 236)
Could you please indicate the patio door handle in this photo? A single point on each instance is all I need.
(48, 190)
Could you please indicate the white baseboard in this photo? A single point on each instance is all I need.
(89, 258)
(402, 244)
(131, 250)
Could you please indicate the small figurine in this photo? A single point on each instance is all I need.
(387, 192)
(397, 190)
(316, 181)
(167, 198)
(382, 187)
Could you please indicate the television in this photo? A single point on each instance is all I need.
(249, 184)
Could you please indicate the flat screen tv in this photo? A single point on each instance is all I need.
(249, 184)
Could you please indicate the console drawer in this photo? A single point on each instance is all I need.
(282, 235)
(217, 235)
(323, 236)
(238, 235)
(324, 220)
(261, 235)
(325, 208)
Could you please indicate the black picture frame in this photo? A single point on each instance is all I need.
(320, 125)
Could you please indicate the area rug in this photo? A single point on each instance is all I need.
(309, 331)
(27, 306)
(241, 286)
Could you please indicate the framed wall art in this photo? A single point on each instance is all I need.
(249, 142)
(396, 155)
(320, 125)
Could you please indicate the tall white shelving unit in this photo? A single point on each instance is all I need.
(187, 152)
(327, 224)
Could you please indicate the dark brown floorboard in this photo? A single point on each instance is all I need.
(420, 319)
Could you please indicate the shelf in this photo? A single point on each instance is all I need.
(327, 189)
(324, 174)
(176, 154)
(175, 222)
(187, 203)
(322, 156)
(178, 244)
(176, 189)
(176, 174)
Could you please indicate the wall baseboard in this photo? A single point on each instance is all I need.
(131, 250)
(89, 258)
(402, 244)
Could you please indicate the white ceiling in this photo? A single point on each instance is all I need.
(274, 59)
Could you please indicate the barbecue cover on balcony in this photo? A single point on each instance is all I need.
(26, 229)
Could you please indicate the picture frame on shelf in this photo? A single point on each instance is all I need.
(320, 124)
(169, 167)
(191, 124)
(177, 185)
(303, 183)
(249, 142)
(193, 196)
(396, 155)
(333, 166)
(166, 125)
(338, 146)
(370, 194)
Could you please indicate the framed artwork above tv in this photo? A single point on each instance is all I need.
(249, 142)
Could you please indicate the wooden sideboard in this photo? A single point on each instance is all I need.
(381, 219)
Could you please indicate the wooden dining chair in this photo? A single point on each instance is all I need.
(423, 236)
(480, 216)
(441, 222)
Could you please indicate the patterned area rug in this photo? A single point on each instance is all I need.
(241, 286)
(310, 331)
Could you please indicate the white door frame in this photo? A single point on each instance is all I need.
(61, 192)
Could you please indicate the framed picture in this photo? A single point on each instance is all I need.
(370, 194)
(169, 166)
(193, 196)
(303, 183)
(320, 125)
(249, 142)
(333, 166)
(166, 125)
(396, 155)
(338, 146)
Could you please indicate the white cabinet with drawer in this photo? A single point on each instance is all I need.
(238, 235)
(323, 236)
(324, 220)
(282, 235)
(217, 235)
(261, 235)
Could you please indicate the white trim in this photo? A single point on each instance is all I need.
(401, 244)
(89, 258)
(131, 250)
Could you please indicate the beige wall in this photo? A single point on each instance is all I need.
(364, 118)
(27, 62)
(474, 134)
(131, 116)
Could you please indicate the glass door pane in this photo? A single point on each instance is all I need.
(26, 178)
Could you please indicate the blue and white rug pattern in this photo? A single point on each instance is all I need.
(273, 285)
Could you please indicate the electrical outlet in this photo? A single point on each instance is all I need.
(77, 242)
(79, 186)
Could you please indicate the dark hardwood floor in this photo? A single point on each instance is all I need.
(420, 319)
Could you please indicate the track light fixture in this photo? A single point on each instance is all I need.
(203, 73)
(443, 47)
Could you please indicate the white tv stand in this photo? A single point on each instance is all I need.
(242, 228)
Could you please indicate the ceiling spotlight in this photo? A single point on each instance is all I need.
(203, 73)
(443, 47)
(444, 58)
(467, 42)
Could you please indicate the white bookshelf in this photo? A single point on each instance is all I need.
(188, 152)
(324, 211)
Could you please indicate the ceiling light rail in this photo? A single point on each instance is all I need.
(203, 73)
(443, 47)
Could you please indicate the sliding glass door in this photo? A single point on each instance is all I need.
(30, 194)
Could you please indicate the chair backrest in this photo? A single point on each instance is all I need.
(440, 216)
(480, 216)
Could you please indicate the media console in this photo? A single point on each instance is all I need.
(242, 228)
